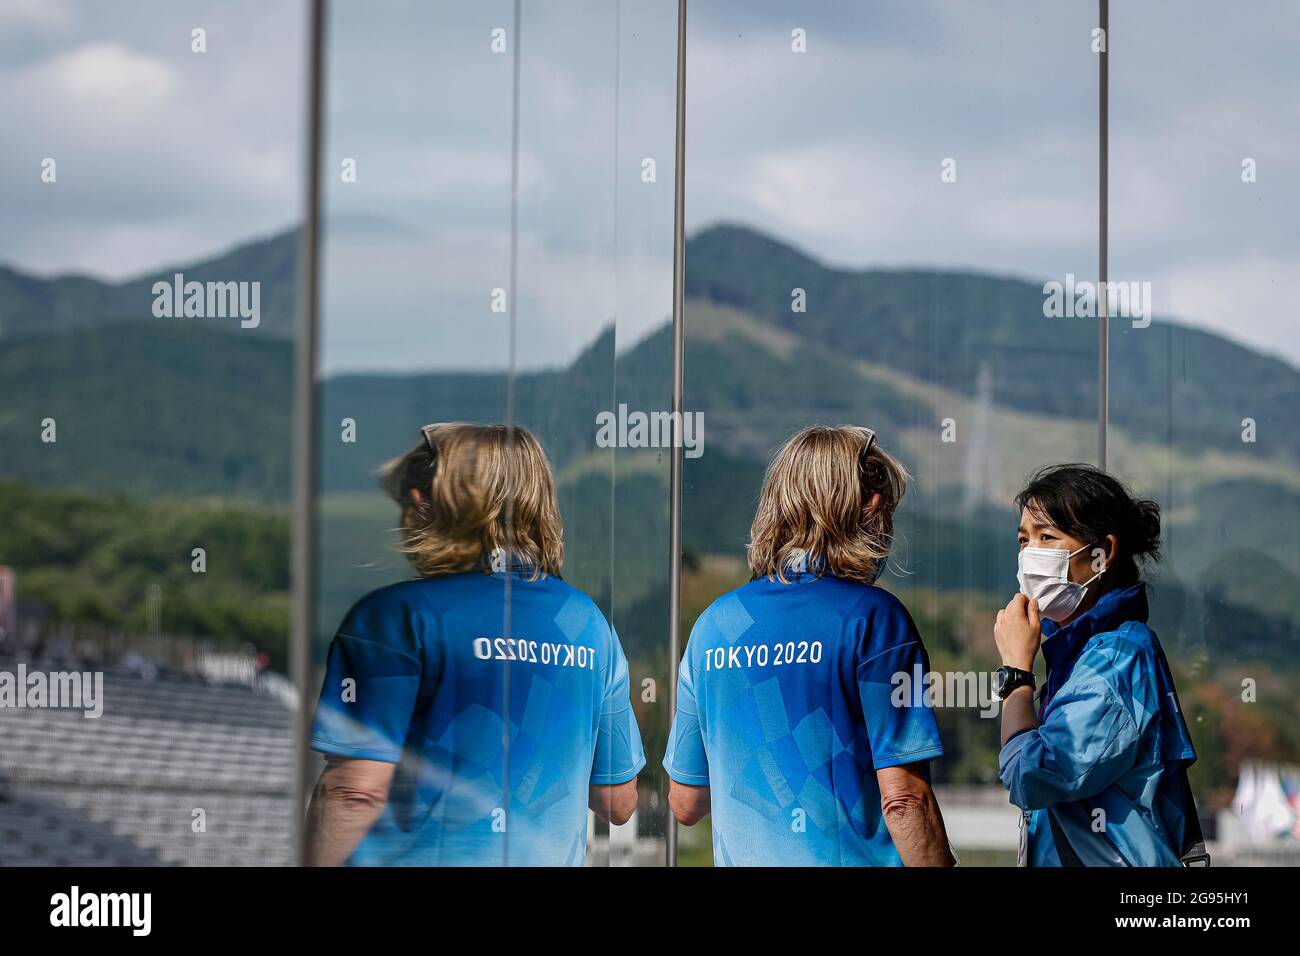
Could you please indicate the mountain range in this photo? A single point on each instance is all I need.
(960, 373)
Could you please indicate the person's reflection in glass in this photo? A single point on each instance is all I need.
(788, 729)
(1099, 764)
(450, 741)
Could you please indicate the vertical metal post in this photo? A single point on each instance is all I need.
(675, 469)
(1103, 227)
(305, 424)
(512, 312)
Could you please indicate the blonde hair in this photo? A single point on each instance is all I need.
(482, 487)
(816, 502)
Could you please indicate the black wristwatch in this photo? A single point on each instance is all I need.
(1006, 679)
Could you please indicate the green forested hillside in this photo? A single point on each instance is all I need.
(92, 559)
(148, 408)
(1170, 383)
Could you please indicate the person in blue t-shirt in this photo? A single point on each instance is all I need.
(471, 716)
(789, 729)
(1099, 766)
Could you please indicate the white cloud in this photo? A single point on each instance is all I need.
(105, 76)
(163, 154)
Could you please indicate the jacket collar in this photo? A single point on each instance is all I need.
(1063, 645)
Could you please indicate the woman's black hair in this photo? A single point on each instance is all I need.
(1088, 504)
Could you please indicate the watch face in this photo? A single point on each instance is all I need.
(1000, 678)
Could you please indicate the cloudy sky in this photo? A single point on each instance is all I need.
(165, 155)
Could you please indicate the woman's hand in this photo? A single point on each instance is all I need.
(1018, 633)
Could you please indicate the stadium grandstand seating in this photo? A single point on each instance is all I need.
(123, 789)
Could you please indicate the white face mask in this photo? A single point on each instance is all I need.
(1044, 574)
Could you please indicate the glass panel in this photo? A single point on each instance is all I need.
(595, 282)
(1203, 395)
(877, 195)
(427, 319)
(146, 306)
(644, 163)
(414, 329)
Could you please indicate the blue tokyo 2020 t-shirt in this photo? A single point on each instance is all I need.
(496, 737)
(786, 710)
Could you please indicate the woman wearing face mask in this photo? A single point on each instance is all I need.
(1099, 764)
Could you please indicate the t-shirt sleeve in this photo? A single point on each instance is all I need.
(685, 760)
(619, 755)
(372, 681)
(900, 726)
